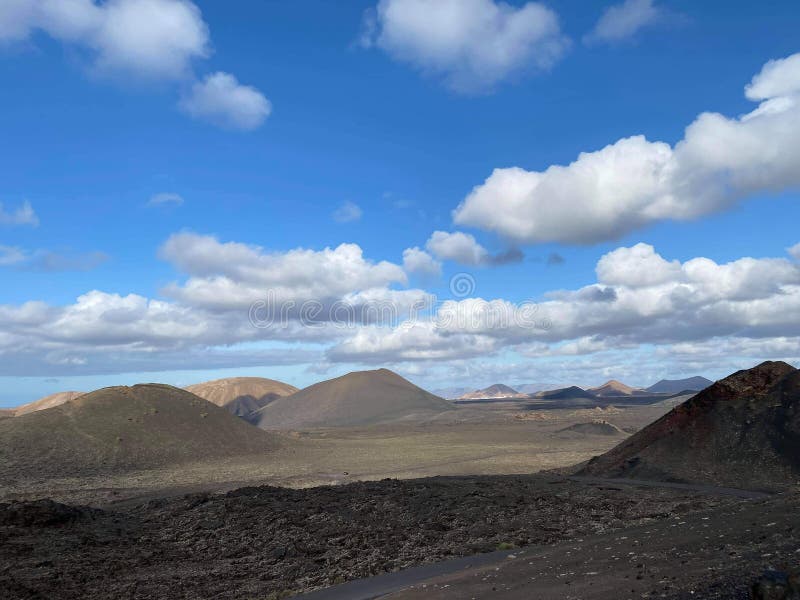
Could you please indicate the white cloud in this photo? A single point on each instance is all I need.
(628, 308)
(464, 249)
(222, 100)
(15, 19)
(622, 21)
(472, 44)
(410, 342)
(795, 251)
(639, 266)
(458, 246)
(644, 311)
(24, 215)
(778, 78)
(419, 262)
(165, 198)
(347, 212)
(144, 38)
(634, 182)
(230, 275)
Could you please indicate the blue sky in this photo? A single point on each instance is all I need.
(264, 119)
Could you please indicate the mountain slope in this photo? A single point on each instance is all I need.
(47, 402)
(535, 388)
(743, 431)
(567, 393)
(614, 388)
(498, 390)
(355, 399)
(242, 396)
(673, 386)
(125, 428)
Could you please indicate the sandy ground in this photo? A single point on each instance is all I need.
(499, 439)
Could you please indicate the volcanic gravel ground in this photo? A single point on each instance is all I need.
(705, 555)
(267, 542)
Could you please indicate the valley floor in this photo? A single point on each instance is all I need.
(495, 441)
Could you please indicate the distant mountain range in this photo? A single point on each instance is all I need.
(673, 386)
(610, 389)
(247, 397)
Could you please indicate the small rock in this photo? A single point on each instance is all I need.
(776, 585)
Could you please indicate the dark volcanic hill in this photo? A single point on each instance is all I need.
(242, 396)
(355, 399)
(674, 386)
(124, 428)
(567, 393)
(743, 431)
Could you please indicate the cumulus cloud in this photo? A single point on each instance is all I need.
(637, 266)
(641, 304)
(412, 342)
(795, 251)
(23, 215)
(209, 316)
(778, 79)
(471, 44)
(347, 212)
(464, 249)
(635, 182)
(165, 198)
(622, 21)
(232, 274)
(419, 262)
(222, 100)
(144, 39)
(458, 246)
(640, 299)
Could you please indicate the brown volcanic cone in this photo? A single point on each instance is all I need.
(498, 390)
(743, 431)
(242, 396)
(355, 399)
(47, 402)
(120, 429)
(613, 388)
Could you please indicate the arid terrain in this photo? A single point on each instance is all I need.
(491, 440)
(150, 491)
(267, 542)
